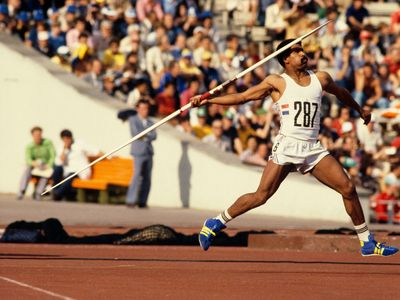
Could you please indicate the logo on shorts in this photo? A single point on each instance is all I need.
(285, 109)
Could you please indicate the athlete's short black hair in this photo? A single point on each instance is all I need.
(281, 57)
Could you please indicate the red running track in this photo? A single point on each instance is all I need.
(133, 272)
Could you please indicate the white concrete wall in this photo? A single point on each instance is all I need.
(30, 95)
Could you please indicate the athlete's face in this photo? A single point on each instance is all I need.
(297, 57)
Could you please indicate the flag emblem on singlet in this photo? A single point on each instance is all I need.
(285, 109)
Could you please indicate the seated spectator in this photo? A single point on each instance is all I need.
(72, 156)
(275, 21)
(140, 91)
(113, 59)
(194, 41)
(188, 68)
(172, 30)
(4, 20)
(344, 116)
(108, 83)
(395, 22)
(201, 128)
(356, 15)
(62, 58)
(192, 90)
(210, 74)
(231, 133)
(368, 88)
(177, 48)
(245, 129)
(83, 49)
(344, 68)
(101, 38)
(131, 41)
(22, 26)
(94, 76)
(249, 148)
(39, 159)
(214, 112)
(130, 18)
(166, 101)
(173, 74)
(216, 137)
(206, 46)
(157, 59)
(57, 37)
(392, 59)
(370, 136)
(259, 158)
(366, 44)
(143, 7)
(329, 42)
(389, 82)
(72, 36)
(43, 44)
(230, 65)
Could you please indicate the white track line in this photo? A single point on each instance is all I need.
(36, 288)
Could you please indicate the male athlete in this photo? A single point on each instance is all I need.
(298, 93)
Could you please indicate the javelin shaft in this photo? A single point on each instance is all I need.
(261, 62)
(187, 106)
(136, 137)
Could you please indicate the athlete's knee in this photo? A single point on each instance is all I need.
(260, 197)
(348, 190)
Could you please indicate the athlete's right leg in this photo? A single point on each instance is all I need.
(271, 179)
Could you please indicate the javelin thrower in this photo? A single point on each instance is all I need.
(206, 95)
(297, 92)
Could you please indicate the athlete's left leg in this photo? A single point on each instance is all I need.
(331, 173)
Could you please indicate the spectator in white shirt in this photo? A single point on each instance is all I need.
(71, 157)
(216, 138)
(274, 19)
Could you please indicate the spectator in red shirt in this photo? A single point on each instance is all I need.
(393, 60)
(344, 116)
(395, 22)
(166, 101)
(191, 91)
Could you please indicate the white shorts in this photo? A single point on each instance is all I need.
(304, 155)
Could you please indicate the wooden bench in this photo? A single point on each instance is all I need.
(106, 175)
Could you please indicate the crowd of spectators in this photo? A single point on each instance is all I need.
(167, 51)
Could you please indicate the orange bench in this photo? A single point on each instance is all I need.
(106, 174)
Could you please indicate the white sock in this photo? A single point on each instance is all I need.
(362, 232)
(224, 217)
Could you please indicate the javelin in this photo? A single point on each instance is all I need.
(204, 96)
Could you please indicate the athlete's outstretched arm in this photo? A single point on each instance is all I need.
(342, 94)
(257, 92)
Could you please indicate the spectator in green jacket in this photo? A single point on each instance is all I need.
(39, 157)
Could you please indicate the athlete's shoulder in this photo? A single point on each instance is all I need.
(324, 78)
(274, 80)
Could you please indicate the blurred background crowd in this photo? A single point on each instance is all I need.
(166, 51)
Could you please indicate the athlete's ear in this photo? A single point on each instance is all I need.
(285, 59)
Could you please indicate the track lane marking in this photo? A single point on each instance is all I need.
(35, 288)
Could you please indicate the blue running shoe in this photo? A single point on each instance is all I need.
(372, 247)
(207, 234)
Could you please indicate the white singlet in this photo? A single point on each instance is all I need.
(297, 142)
(300, 108)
